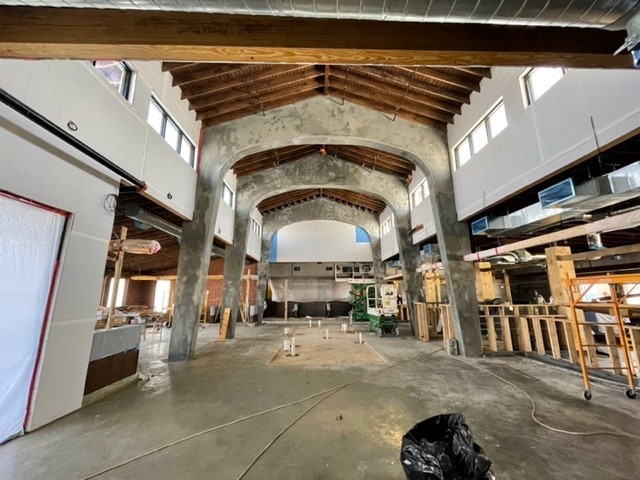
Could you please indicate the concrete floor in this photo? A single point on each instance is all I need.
(236, 378)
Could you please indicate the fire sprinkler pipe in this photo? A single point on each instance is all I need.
(617, 222)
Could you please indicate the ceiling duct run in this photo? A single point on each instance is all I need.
(565, 201)
(574, 13)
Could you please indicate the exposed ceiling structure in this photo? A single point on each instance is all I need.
(574, 13)
(221, 92)
(167, 257)
(368, 158)
(361, 201)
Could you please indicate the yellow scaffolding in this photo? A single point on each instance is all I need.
(582, 335)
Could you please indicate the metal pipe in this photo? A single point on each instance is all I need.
(69, 139)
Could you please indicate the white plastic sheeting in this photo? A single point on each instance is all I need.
(29, 241)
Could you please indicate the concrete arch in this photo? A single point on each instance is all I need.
(322, 172)
(308, 172)
(322, 120)
(316, 209)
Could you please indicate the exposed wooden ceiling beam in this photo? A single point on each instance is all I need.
(392, 74)
(382, 105)
(252, 110)
(269, 163)
(397, 92)
(482, 72)
(465, 84)
(275, 154)
(376, 155)
(258, 100)
(85, 33)
(261, 73)
(252, 90)
(205, 71)
(379, 166)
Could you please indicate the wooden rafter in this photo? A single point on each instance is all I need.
(366, 157)
(251, 110)
(354, 199)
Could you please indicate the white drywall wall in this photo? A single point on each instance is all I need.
(543, 138)
(74, 91)
(421, 214)
(35, 165)
(388, 241)
(321, 241)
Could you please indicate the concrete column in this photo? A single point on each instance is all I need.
(234, 263)
(453, 240)
(376, 252)
(194, 260)
(263, 274)
(410, 260)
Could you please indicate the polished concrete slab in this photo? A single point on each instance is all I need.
(353, 434)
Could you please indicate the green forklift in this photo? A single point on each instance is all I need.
(382, 309)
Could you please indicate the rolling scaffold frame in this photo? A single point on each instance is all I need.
(576, 297)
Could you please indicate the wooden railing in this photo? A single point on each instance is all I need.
(534, 328)
(524, 328)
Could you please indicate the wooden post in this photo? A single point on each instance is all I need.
(224, 324)
(507, 288)
(634, 333)
(431, 287)
(286, 299)
(610, 336)
(205, 308)
(558, 271)
(116, 278)
(491, 332)
(485, 291)
(554, 340)
(506, 330)
(524, 334)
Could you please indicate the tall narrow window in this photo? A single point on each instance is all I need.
(117, 74)
(227, 195)
(489, 126)
(497, 120)
(168, 129)
(539, 80)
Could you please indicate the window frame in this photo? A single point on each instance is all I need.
(256, 227)
(227, 188)
(485, 123)
(386, 226)
(527, 84)
(166, 118)
(423, 188)
(126, 85)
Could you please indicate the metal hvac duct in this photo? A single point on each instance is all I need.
(136, 212)
(578, 13)
(565, 201)
(596, 193)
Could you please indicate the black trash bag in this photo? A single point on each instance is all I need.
(442, 448)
